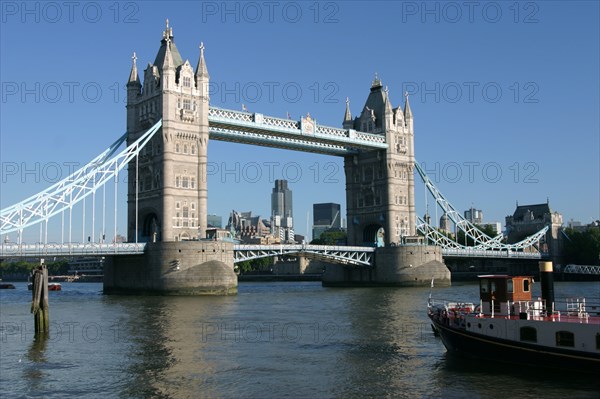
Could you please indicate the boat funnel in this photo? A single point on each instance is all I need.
(547, 279)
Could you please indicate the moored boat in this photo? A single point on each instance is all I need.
(51, 287)
(509, 326)
(7, 286)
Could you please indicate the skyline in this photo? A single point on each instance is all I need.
(494, 122)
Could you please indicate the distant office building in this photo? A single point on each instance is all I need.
(445, 223)
(474, 216)
(214, 221)
(282, 224)
(281, 203)
(326, 216)
(87, 266)
(496, 226)
(244, 226)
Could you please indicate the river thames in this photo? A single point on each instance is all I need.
(273, 339)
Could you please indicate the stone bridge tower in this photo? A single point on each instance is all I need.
(380, 184)
(171, 190)
(170, 194)
(380, 202)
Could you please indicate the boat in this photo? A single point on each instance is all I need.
(51, 287)
(7, 286)
(508, 326)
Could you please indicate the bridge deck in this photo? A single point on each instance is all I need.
(340, 254)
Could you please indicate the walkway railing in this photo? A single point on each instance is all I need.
(69, 249)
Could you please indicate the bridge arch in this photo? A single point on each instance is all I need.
(374, 234)
(150, 227)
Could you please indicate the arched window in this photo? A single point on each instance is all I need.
(176, 147)
(177, 181)
(193, 150)
(185, 149)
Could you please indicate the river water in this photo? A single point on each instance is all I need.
(273, 339)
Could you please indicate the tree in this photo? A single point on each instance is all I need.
(487, 230)
(255, 265)
(582, 247)
(331, 237)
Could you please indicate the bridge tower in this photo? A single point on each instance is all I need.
(380, 184)
(167, 204)
(380, 201)
(171, 194)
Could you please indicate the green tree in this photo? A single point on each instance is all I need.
(487, 230)
(582, 247)
(256, 265)
(332, 237)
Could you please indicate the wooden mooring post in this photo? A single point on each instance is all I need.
(39, 302)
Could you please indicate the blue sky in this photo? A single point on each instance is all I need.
(505, 95)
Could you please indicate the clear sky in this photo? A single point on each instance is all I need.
(505, 95)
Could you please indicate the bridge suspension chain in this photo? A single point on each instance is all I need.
(74, 188)
(482, 241)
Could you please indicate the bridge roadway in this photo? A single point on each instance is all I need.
(358, 256)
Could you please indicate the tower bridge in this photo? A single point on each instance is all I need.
(169, 124)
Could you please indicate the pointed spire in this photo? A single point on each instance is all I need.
(407, 112)
(348, 114)
(201, 70)
(376, 82)
(168, 62)
(168, 33)
(133, 75)
(387, 102)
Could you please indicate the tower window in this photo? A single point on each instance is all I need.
(185, 149)
(177, 205)
(186, 81)
(176, 147)
(177, 182)
(185, 182)
(187, 105)
(193, 150)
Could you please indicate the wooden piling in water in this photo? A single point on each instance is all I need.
(39, 300)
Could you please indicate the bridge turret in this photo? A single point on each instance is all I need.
(408, 116)
(348, 122)
(133, 83)
(388, 112)
(134, 90)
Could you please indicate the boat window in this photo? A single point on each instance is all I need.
(509, 285)
(528, 334)
(565, 338)
(598, 341)
(526, 285)
(483, 286)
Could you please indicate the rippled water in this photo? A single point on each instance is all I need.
(271, 340)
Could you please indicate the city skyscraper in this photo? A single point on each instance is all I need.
(282, 223)
(326, 216)
(281, 203)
